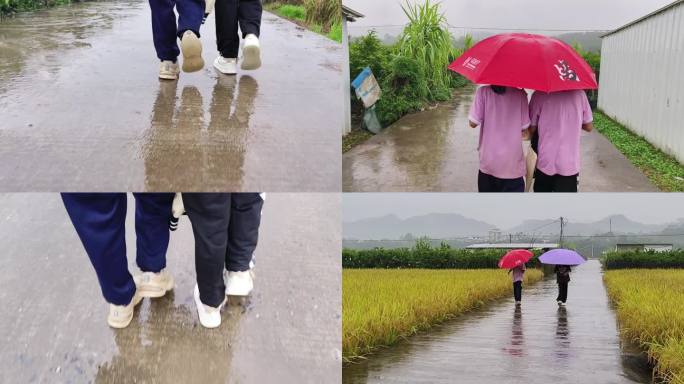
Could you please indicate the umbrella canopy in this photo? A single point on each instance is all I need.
(515, 258)
(524, 60)
(562, 257)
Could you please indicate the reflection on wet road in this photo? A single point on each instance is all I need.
(435, 150)
(53, 327)
(82, 108)
(536, 343)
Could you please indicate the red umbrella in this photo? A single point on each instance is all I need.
(515, 258)
(524, 60)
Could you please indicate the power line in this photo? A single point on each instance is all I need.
(533, 237)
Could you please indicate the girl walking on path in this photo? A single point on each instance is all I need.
(165, 32)
(562, 278)
(230, 14)
(559, 118)
(517, 274)
(503, 117)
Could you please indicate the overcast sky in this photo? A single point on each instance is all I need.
(525, 14)
(507, 210)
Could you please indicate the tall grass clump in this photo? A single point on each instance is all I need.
(380, 307)
(650, 312)
(325, 13)
(644, 259)
(296, 12)
(427, 40)
(422, 255)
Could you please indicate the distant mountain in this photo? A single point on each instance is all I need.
(620, 224)
(437, 225)
(450, 225)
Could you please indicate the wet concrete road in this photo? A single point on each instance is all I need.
(82, 108)
(539, 343)
(53, 324)
(435, 150)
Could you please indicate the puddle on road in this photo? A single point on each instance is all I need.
(535, 343)
(39, 35)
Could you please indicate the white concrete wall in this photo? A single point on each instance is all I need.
(642, 79)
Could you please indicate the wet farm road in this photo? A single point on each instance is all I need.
(82, 108)
(53, 326)
(539, 343)
(435, 150)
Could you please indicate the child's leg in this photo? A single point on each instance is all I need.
(190, 14)
(164, 30)
(227, 38)
(243, 231)
(249, 15)
(99, 220)
(152, 212)
(209, 214)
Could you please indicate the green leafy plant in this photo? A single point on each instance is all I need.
(644, 259)
(427, 40)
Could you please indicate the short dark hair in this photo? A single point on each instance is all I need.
(498, 89)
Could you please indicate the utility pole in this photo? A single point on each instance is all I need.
(510, 238)
(560, 242)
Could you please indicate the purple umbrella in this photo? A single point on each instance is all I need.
(561, 257)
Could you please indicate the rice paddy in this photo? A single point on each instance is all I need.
(650, 310)
(383, 306)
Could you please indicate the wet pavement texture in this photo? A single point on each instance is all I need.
(436, 151)
(53, 324)
(83, 109)
(536, 343)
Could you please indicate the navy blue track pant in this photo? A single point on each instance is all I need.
(164, 28)
(226, 229)
(99, 220)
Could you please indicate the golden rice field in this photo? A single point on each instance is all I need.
(382, 306)
(650, 310)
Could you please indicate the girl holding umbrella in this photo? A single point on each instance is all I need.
(562, 259)
(514, 261)
(558, 111)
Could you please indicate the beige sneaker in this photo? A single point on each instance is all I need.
(121, 315)
(168, 70)
(191, 46)
(152, 284)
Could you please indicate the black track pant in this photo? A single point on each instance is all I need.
(555, 183)
(517, 290)
(230, 13)
(226, 229)
(562, 292)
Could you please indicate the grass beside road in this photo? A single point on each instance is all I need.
(649, 311)
(298, 14)
(383, 306)
(662, 169)
(12, 6)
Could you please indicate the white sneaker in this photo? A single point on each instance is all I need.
(209, 317)
(226, 66)
(191, 46)
(121, 315)
(151, 284)
(239, 283)
(560, 302)
(518, 302)
(251, 53)
(168, 70)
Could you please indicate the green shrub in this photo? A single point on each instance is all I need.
(594, 61)
(368, 51)
(11, 6)
(404, 90)
(644, 259)
(426, 257)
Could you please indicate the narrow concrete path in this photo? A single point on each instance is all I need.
(537, 343)
(436, 151)
(82, 108)
(53, 326)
